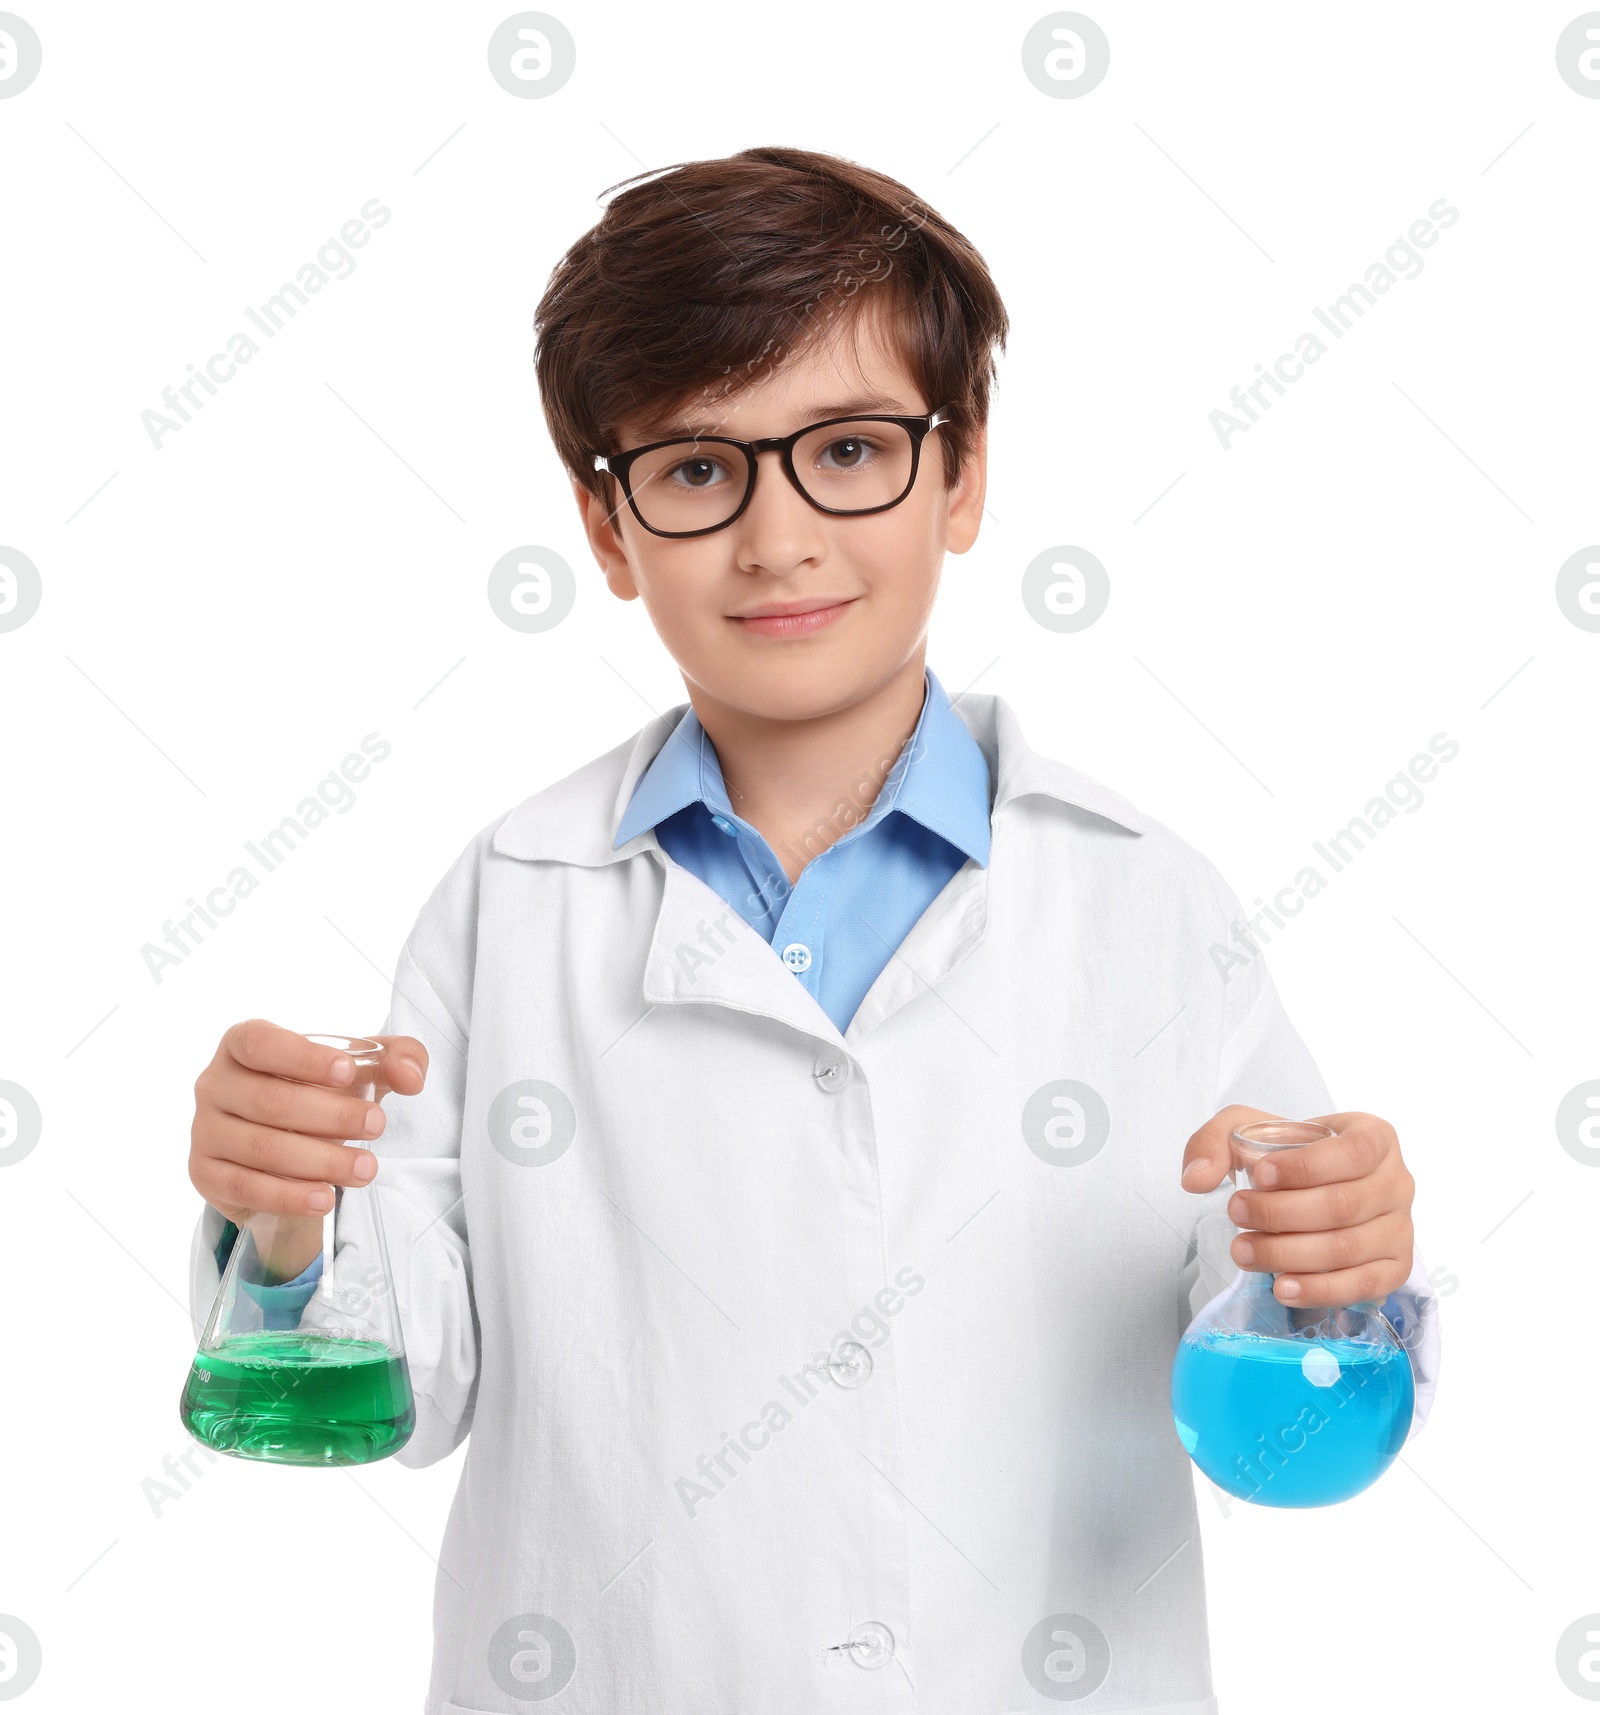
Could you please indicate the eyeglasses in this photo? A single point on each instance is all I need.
(845, 466)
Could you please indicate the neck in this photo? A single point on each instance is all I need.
(802, 784)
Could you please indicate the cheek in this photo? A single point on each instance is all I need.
(899, 553)
(681, 592)
(687, 627)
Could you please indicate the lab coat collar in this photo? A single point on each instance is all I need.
(1020, 772)
(701, 950)
(573, 820)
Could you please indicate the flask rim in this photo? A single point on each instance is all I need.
(1272, 1137)
(362, 1049)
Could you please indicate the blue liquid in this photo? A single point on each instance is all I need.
(1250, 1414)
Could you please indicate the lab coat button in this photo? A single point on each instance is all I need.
(833, 1075)
(871, 1644)
(850, 1364)
(797, 956)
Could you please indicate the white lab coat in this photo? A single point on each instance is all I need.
(770, 1339)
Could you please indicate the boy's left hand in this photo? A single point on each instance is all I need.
(1337, 1214)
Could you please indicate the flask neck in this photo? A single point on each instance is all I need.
(1262, 1141)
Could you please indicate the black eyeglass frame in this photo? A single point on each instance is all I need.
(918, 428)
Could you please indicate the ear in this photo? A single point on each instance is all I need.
(966, 498)
(605, 542)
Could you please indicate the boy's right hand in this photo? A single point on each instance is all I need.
(272, 1111)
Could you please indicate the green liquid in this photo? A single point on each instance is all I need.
(300, 1398)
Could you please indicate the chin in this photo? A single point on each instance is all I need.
(801, 685)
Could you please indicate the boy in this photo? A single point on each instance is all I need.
(798, 1380)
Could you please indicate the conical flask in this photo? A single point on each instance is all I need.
(302, 1361)
(1289, 1405)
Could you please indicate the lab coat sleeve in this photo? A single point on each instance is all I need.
(1264, 1064)
(424, 1215)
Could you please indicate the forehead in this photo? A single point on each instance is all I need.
(845, 362)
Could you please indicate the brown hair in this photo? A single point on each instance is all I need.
(700, 279)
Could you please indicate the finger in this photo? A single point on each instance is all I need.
(1208, 1155)
(289, 1106)
(269, 1048)
(1324, 1252)
(404, 1067)
(228, 1186)
(287, 1155)
(1345, 1203)
(1342, 1286)
(1360, 1147)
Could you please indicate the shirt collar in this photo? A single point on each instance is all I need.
(685, 771)
(940, 779)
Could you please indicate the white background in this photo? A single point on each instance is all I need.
(1372, 564)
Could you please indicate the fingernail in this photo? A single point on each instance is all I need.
(341, 1070)
(1288, 1288)
(365, 1167)
(1193, 1171)
(322, 1200)
(1236, 1210)
(1267, 1173)
(1244, 1253)
(374, 1121)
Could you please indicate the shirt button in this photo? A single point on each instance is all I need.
(723, 823)
(833, 1075)
(871, 1644)
(797, 956)
(850, 1364)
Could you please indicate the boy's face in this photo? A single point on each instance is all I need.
(789, 613)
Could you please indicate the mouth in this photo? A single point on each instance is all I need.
(793, 618)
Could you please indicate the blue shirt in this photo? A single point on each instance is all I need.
(282, 1304)
(854, 903)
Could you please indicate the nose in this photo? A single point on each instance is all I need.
(780, 530)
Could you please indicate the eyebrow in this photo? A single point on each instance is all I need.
(862, 405)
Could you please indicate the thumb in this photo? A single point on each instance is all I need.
(404, 1068)
(1208, 1155)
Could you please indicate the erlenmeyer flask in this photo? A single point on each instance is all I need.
(302, 1361)
(1289, 1405)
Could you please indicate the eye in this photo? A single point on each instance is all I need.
(849, 452)
(695, 472)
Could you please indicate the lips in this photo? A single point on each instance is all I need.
(792, 619)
